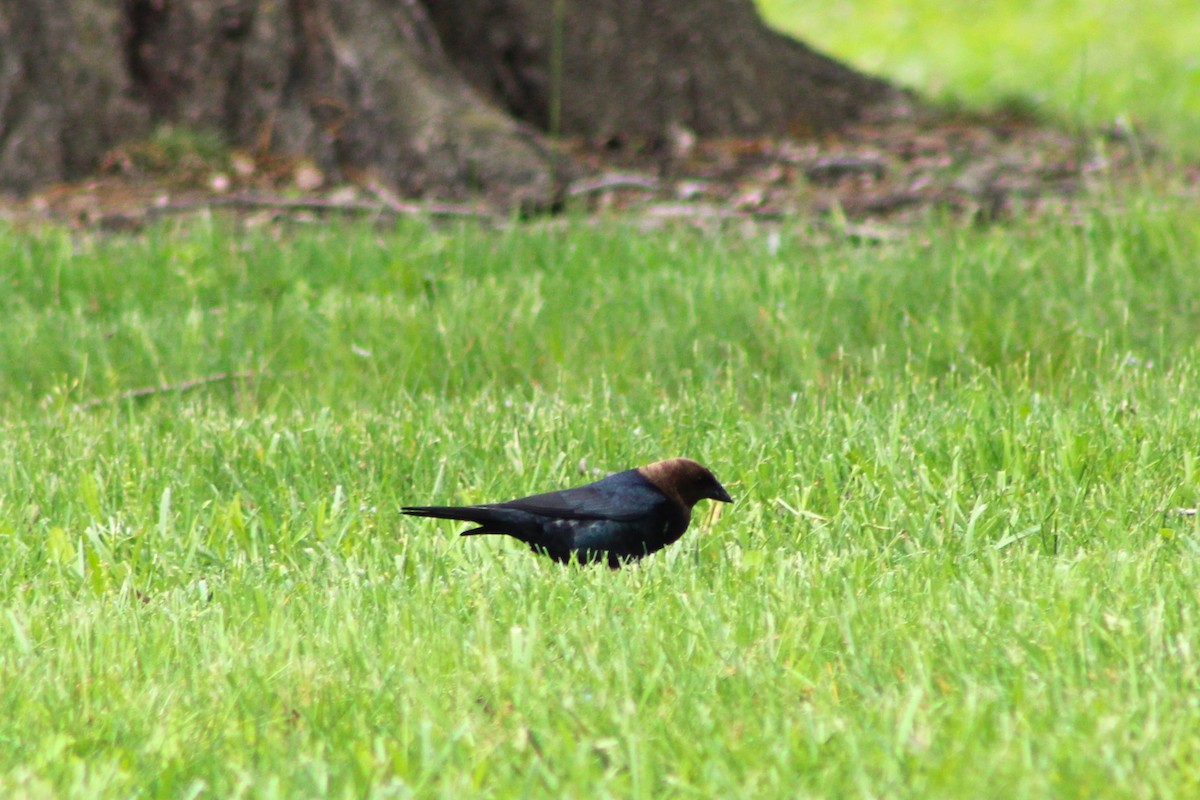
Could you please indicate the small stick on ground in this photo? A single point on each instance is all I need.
(182, 386)
(614, 180)
(316, 204)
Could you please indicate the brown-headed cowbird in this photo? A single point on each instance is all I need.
(616, 519)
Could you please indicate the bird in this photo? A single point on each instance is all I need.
(617, 519)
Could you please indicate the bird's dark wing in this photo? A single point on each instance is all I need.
(623, 496)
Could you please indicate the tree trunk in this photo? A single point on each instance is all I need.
(608, 69)
(363, 88)
(64, 90)
(435, 98)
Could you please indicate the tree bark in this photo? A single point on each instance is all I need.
(64, 90)
(640, 68)
(362, 88)
(440, 98)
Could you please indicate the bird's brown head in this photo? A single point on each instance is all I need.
(685, 480)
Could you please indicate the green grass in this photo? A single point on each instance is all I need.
(1091, 62)
(955, 567)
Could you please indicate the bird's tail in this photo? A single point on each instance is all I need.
(490, 519)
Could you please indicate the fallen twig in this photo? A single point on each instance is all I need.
(394, 207)
(404, 208)
(613, 180)
(182, 386)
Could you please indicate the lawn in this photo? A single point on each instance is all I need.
(1085, 62)
(961, 562)
(964, 560)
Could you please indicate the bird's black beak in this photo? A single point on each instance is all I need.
(720, 495)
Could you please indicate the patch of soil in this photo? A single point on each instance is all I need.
(979, 168)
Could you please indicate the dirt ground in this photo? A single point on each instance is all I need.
(870, 180)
